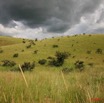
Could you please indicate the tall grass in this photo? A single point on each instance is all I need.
(51, 86)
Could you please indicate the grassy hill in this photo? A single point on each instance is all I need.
(49, 84)
(80, 47)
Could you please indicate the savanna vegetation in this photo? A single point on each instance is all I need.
(58, 70)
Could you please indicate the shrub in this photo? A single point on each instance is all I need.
(55, 46)
(50, 57)
(23, 41)
(99, 51)
(15, 55)
(28, 46)
(73, 56)
(58, 39)
(90, 64)
(55, 62)
(59, 60)
(42, 61)
(8, 63)
(62, 55)
(84, 33)
(36, 39)
(22, 50)
(79, 65)
(36, 51)
(27, 66)
(1, 51)
(88, 52)
(32, 42)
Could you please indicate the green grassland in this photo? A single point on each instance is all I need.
(48, 84)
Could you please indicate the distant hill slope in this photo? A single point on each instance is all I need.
(4, 40)
(81, 47)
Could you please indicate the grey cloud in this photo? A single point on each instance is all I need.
(36, 13)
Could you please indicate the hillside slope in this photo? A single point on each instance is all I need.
(82, 47)
(4, 40)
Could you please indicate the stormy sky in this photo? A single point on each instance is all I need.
(48, 18)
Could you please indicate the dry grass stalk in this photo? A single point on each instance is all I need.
(26, 83)
(66, 87)
(23, 76)
(4, 97)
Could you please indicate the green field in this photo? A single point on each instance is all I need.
(48, 84)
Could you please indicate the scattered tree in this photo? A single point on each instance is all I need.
(88, 52)
(1, 51)
(28, 46)
(59, 60)
(42, 61)
(8, 63)
(99, 51)
(15, 55)
(55, 46)
(79, 65)
(27, 66)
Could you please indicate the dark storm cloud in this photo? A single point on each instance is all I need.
(56, 15)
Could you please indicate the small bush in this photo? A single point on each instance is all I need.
(32, 42)
(54, 62)
(1, 51)
(36, 51)
(28, 46)
(88, 52)
(23, 41)
(58, 39)
(84, 33)
(91, 64)
(99, 51)
(36, 39)
(15, 55)
(50, 57)
(42, 61)
(8, 63)
(73, 56)
(59, 60)
(55, 46)
(79, 65)
(27, 66)
(22, 50)
(90, 35)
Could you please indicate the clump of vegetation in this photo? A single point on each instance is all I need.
(1, 51)
(50, 57)
(36, 39)
(91, 64)
(58, 39)
(67, 70)
(79, 65)
(59, 59)
(99, 51)
(23, 41)
(32, 42)
(84, 33)
(55, 46)
(42, 61)
(27, 66)
(88, 52)
(15, 55)
(36, 51)
(28, 46)
(8, 63)
(22, 50)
